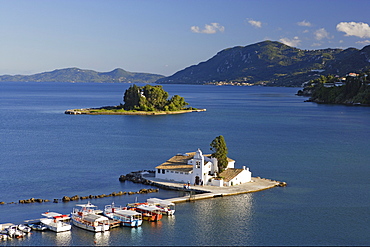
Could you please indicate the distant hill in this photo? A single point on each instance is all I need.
(81, 75)
(271, 63)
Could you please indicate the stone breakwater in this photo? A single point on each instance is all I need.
(76, 197)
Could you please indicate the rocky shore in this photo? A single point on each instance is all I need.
(98, 111)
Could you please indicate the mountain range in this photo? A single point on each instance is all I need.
(272, 63)
(269, 63)
(81, 75)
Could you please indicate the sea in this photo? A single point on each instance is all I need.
(321, 151)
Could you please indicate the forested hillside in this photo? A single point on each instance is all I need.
(353, 89)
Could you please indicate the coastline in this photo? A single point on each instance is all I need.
(97, 111)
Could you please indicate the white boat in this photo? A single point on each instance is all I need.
(166, 207)
(127, 217)
(56, 225)
(13, 232)
(4, 236)
(37, 227)
(55, 222)
(85, 217)
(24, 228)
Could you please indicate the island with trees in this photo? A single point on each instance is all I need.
(145, 100)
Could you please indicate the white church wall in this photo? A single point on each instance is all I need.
(183, 177)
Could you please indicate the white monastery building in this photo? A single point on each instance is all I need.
(200, 169)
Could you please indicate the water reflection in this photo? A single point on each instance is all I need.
(63, 238)
(102, 238)
(135, 234)
(222, 218)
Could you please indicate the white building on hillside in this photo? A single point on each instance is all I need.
(200, 169)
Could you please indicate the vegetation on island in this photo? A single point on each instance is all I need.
(219, 148)
(152, 98)
(353, 89)
(145, 100)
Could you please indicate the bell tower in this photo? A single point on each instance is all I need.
(198, 167)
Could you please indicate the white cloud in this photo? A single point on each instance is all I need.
(254, 23)
(208, 28)
(321, 34)
(358, 29)
(304, 23)
(316, 44)
(291, 42)
(363, 42)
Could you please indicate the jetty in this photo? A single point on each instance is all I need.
(199, 192)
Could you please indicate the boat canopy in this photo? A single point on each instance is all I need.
(88, 205)
(54, 215)
(161, 202)
(148, 207)
(94, 217)
(127, 212)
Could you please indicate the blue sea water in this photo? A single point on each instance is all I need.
(321, 151)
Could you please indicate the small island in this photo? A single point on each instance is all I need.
(146, 100)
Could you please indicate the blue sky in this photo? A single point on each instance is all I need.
(164, 36)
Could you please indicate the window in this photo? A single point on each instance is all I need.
(197, 164)
(163, 171)
(159, 170)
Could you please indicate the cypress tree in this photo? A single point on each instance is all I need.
(219, 148)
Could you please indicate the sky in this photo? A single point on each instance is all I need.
(165, 36)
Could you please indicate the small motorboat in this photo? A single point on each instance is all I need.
(38, 227)
(13, 232)
(24, 228)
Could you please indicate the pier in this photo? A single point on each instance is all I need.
(199, 192)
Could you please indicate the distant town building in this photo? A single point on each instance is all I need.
(196, 168)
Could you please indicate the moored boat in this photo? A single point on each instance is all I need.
(24, 228)
(127, 217)
(56, 225)
(13, 232)
(38, 227)
(85, 217)
(166, 207)
(149, 212)
(56, 222)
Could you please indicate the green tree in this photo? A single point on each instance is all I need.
(131, 98)
(151, 98)
(176, 103)
(219, 148)
(156, 97)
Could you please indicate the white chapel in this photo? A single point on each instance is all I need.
(200, 169)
